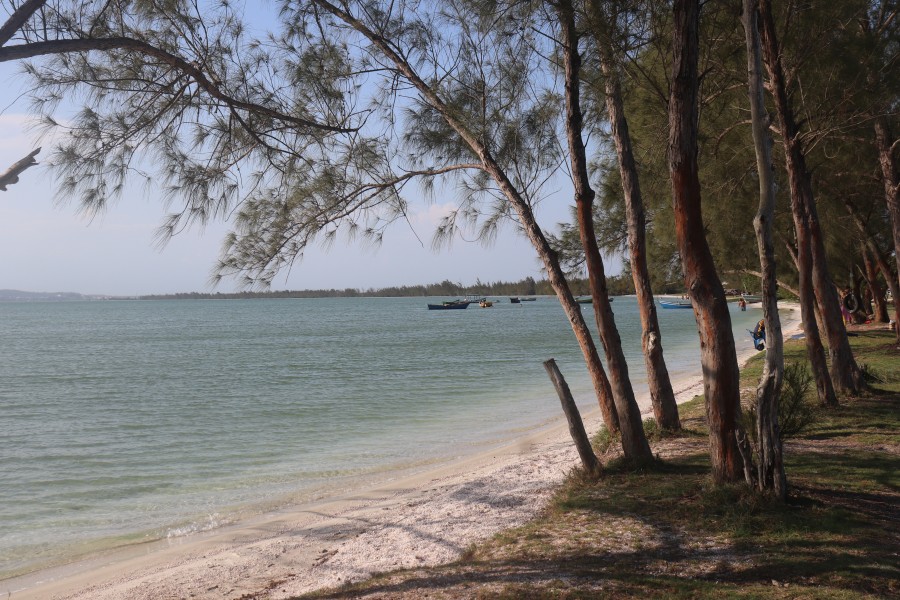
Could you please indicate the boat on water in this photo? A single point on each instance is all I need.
(529, 299)
(485, 304)
(514, 300)
(449, 305)
(588, 299)
(675, 303)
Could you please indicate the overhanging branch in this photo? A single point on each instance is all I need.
(11, 175)
(31, 50)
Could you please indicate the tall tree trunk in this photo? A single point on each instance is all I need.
(876, 290)
(771, 475)
(721, 379)
(662, 396)
(634, 442)
(523, 209)
(845, 373)
(891, 180)
(809, 314)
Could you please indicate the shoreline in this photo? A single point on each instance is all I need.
(418, 520)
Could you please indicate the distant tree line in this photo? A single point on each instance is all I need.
(618, 285)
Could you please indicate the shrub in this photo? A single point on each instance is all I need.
(796, 408)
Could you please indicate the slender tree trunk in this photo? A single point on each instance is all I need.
(771, 475)
(523, 209)
(662, 396)
(846, 376)
(876, 290)
(809, 313)
(721, 379)
(576, 426)
(891, 180)
(634, 442)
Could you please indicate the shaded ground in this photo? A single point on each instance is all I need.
(670, 533)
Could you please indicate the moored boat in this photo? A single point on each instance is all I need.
(674, 303)
(514, 300)
(485, 304)
(529, 299)
(588, 299)
(449, 305)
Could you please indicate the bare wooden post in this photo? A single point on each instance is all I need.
(576, 426)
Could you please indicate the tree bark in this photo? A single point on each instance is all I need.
(891, 180)
(662, 396)
(770, 474)
(634, 441)
(573, 417)
(721, 379)
(523, 209)
(846, 376)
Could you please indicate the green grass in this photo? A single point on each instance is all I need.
(670, 532)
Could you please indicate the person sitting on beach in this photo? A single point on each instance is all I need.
(760, 331)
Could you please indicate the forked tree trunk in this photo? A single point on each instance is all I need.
(846, 376)
(721, 379)
(771, 475)
(662, 397)
(523, 209)
(634, 442)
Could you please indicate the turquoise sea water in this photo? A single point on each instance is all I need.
(129, 421)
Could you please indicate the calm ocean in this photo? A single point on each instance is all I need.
(130, 421)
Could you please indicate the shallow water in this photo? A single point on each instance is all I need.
(127, 421)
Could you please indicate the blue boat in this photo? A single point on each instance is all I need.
(674, 303)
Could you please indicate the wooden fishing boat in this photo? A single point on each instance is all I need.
(449, 305)
(588, 299)
(674, 303)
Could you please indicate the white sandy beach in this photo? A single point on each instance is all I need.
(425, 519)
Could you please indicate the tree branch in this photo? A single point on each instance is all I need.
(23, 51)
(11, 175)
(18, 18)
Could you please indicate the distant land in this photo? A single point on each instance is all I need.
(618, 285)
(20, 296)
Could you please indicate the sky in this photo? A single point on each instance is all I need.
(47, 246)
